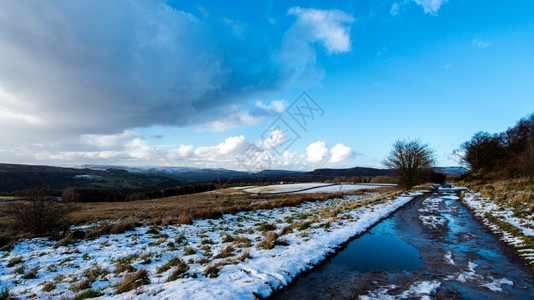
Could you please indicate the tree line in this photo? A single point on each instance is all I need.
(500, 155)
(90, 194)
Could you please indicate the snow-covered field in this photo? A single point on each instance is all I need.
(309, 188)
(239, 256)
(484, 207)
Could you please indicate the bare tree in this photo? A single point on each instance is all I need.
(412, 159)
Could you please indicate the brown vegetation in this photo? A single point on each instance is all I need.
(133, 281)
(37, 214)
(123, 216)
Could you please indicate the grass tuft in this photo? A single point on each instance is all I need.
(15, 260)
(48, 286)
(133, 281)
(87, 294)
(179, 271)
(189, 251)
(211, 271)
(169, 264)
(31, 274)
(225, 252)
(6, 294)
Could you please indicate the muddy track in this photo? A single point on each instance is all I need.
(458, 258)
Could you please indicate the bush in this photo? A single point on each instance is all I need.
(38, 213)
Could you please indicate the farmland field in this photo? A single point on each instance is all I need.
(309, 188)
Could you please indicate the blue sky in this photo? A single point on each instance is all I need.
(220, 84)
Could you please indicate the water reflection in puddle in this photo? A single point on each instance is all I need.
(378, 249)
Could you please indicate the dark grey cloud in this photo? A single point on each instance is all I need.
(105, 66)
(78, 77)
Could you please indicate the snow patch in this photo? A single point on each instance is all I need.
(263, 272)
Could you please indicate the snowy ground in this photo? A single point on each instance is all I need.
(484, 207)
(245, 257)
(309, 188)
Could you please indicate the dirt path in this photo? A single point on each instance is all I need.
(431, 247)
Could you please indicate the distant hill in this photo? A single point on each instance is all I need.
(191, 175)
(329, 174)
(451, 170)
(16, 177)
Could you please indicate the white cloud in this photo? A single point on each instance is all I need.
(181, 152)
(340, 153)
(276, 137)
(108, 141)
(130, 149)
(275, 107)
(331, 28)
(317, 152)
(236, 116)
(328, 28)
(430, 6)
(234, 119)
(479, 43)
(395, 9)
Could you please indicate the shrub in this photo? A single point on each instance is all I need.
(38, 213)
(244, 255)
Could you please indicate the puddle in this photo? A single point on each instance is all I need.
(378, 249)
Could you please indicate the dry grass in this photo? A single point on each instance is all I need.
(133, 281)
(515, 194)
(15, 260)
(226, 252)
(179, 271)
(175, 261)
(123, 216)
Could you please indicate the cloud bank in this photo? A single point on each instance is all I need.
(106, 66)
(235, 152)
(77, 78)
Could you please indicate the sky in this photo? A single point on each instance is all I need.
(294, 85)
